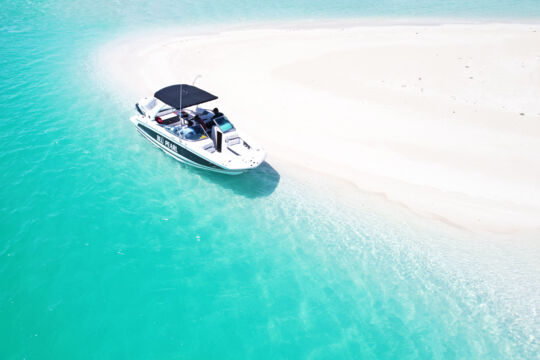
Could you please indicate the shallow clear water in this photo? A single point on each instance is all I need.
(110, 249)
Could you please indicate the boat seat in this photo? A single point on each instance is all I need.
(168, 118)
(175, 129)
(210, 148)
(234, 140)
(209, 123)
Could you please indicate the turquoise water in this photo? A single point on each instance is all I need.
(110, 249)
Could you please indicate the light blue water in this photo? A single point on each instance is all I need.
(110, 249)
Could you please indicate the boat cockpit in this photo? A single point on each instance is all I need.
(193, 125)
(197, 124)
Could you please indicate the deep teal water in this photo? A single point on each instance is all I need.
(109, 249)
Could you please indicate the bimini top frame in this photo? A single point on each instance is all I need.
(182, 96)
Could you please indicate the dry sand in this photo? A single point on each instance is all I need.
(443, 119)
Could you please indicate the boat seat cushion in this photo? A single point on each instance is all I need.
(168, 118)
(233, 141)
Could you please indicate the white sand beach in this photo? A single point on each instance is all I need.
(443, 119)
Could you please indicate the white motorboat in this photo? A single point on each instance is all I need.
(173, 121)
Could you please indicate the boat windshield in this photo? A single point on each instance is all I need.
(224, 123)
(193, 133)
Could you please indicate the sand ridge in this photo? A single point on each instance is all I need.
(442, 119)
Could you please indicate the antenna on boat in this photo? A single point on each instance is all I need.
(193, 83)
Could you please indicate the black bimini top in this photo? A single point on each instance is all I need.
(191, 95)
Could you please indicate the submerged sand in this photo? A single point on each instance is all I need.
(444, 119)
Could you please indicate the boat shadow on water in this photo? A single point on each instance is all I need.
(259, 182)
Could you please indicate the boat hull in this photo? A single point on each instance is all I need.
(180, 153)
